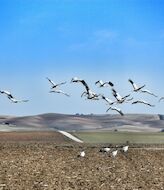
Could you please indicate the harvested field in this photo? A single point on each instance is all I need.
(41, 136)
(51, 166)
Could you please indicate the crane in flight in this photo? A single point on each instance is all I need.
(88, 92)
(11, 97)
(135, 87)
(103, 84)
(119, 98)
(53, 84)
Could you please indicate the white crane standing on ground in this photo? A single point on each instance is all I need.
(114, 153)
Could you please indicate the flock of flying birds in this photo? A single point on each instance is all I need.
(89, 94)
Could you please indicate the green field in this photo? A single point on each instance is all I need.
(121, 137)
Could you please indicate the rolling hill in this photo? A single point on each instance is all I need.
(77, 122)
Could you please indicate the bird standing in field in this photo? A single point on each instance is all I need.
(114, 153)
(82, 154)
(105, 149)
(125, 148)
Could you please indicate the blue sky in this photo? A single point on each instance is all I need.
(93, 39)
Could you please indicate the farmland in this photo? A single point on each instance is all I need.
(121, 137)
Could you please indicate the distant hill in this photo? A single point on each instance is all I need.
(77, 122)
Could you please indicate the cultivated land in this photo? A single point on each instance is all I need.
(49, 160)
(121, 137)
(34, 156)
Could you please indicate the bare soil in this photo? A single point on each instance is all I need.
(50, 165)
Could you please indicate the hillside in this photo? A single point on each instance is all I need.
(53, 121)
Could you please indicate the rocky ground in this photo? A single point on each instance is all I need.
(49, 161)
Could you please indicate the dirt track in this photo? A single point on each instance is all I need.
(36, 165)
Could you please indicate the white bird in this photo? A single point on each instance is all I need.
(135, 87)
(118, 97)
(148, 92)
(162, 98)
(13, 100)
(115, 109)
(103, 84)
(54, 85)
(114, 153)
(125, 148)
(105, 149)
(143, 102)
(82, 154)
(110, 102)
(89, 93)
(59, 91)
(75, 79)
(9, 95)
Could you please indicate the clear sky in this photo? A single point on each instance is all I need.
(92, 39)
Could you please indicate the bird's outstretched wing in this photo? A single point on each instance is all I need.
(162, 98)
(7, 93)
(13, 100)
(52, 82)
(60, 92)
(148, 92)
(143, 102)
(115, 109)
